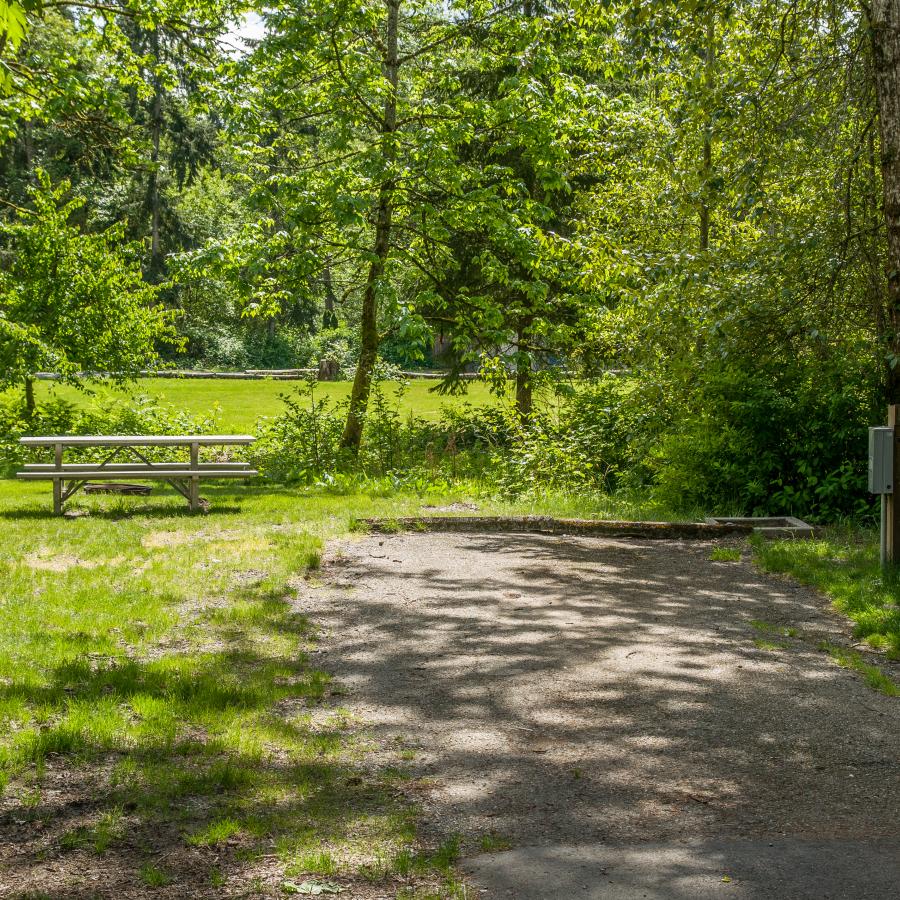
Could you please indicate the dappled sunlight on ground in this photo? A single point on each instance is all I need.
(568, 690)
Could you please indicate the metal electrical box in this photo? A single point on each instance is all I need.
(881, 460)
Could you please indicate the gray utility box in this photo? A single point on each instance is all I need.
(881, 460)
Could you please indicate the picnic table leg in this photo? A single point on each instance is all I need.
(57, 482)
(195, 479)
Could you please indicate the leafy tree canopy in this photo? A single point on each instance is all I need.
(71, 301)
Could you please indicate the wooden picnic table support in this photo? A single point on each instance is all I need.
(195, 479)
(184, 478)
(57, 483)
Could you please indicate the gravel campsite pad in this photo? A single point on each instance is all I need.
(601, 714)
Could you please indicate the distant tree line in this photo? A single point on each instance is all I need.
(703, 191)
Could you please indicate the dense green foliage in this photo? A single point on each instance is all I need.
(689, 193)
(72, 302)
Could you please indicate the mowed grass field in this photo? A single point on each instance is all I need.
(240, 403)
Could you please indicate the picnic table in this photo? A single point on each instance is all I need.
(185, 476)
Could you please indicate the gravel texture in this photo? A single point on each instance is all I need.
(571, 690)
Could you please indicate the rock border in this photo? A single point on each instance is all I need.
(770, 527)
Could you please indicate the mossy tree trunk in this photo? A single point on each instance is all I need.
(384, 210)
(884, 24)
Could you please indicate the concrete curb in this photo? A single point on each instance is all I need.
(549, 525)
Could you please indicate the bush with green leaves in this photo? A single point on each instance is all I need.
(771, 443)
(339, 345)
(303, 443)
(591, 437)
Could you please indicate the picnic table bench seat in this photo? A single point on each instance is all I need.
(185, 476)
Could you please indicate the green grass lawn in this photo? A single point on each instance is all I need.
(844, 565)
(241, 402)
(154, 669)
(156, 658)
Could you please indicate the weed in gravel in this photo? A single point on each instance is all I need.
(725, 554)
(769, 628)
(762, 644)
(153, 876)
(493, 843)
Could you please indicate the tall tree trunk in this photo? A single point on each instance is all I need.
(153, 198)
(884, 23)
(29, 396)
(369, 339)
(524, 380)
(329, 317)
(706, 166)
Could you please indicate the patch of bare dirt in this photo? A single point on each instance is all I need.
(48, 847)
(45, 560)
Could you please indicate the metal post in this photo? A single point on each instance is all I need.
(883, 553)
(892, 507)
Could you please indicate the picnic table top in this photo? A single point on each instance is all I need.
(136, 440)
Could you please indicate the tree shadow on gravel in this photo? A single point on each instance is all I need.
(579, 690)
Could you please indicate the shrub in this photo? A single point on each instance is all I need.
(594, 438)
(792, 442)
(303, 443)
(107, 413)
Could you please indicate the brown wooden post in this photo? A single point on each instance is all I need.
(892, 502)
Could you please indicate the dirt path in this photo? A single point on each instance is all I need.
(564, 691)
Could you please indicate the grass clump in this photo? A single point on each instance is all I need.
(154, 877)
(316, 862)
(845, 566)
(493, 843)
(768, 628)
(763, 644)
(872, 675)
(216, 832)
(725, 554)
